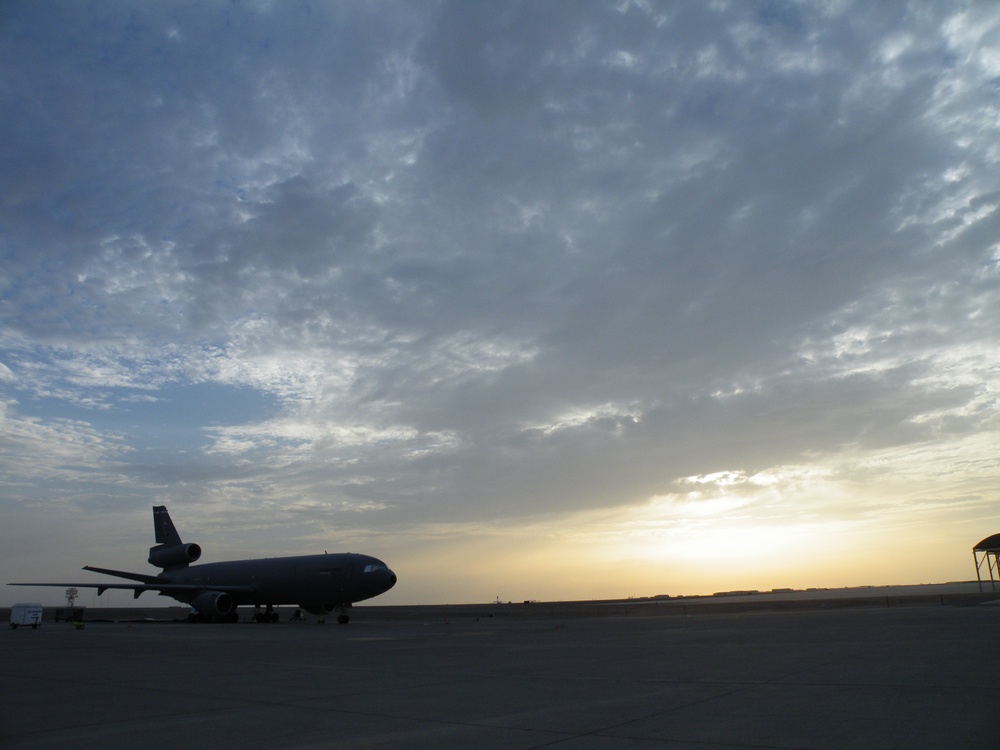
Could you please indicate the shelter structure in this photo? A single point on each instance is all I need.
(988, 551)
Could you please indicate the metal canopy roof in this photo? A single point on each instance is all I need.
(990, 543)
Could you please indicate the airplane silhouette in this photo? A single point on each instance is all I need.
(319, 584)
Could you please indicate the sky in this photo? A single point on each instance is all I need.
(531, 300)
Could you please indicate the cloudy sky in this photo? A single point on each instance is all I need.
(532, 300)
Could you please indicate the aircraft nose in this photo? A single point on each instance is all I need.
(392, 579)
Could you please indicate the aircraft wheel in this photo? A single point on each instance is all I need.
(343, 619)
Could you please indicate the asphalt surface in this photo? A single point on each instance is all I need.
(910, 677)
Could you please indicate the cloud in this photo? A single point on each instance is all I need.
(406, 266)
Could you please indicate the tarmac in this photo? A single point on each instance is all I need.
(869, 674)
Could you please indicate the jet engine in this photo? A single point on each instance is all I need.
(213, 603)
(163, 556)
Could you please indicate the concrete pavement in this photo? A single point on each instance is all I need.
(910, 677)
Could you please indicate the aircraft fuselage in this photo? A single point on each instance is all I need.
(327, 581)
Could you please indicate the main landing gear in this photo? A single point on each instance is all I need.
(268, 615)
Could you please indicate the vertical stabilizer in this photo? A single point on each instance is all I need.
(163, 527)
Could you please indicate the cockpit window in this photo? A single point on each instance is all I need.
(371, 568)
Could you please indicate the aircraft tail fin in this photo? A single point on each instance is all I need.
(163, 527)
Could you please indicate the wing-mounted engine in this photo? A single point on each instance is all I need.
(213, 603)
(173, 555)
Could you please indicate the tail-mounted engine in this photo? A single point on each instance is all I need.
(172, 556)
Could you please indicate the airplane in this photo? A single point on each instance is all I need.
(319, 584)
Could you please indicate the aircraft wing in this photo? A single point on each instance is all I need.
(138, 588)
(145, 578)
(146, 583)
